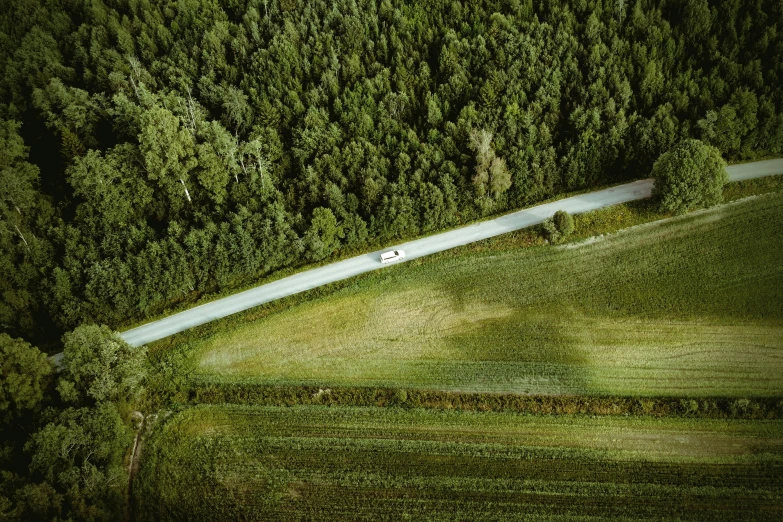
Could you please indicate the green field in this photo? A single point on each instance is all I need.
(685, 306)
(318, 463)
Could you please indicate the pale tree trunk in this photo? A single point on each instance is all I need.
(20, 235)
(135, 69)
(242, 162)
(187, 194)
(262, 165)
(135, 87)
(187, 122)
(233, 153)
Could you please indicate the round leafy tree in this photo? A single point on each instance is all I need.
(98, 365)
(690, 176)
(25, 373)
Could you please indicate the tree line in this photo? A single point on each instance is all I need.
(156, 151)
(64, 436)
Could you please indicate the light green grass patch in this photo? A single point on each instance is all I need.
(691, 305)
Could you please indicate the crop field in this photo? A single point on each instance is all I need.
(319, 463)
(690, 306)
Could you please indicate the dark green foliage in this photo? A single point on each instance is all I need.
(322, 238)
(194, 147)
(26, 373)
(60, 462)
(25, 254)
(98, 366)
(37, 502)
(78, 458)
(690, 176)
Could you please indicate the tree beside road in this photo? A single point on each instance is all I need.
(689, 176)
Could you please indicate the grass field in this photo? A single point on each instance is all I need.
(318, 463)
(687, 306)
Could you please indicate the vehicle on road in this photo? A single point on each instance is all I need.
(392, 255)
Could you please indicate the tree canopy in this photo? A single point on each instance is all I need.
(689, 176)
(157, 151)
(65, 461)
(99, 366)
(26, 375)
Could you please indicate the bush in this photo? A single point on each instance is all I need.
(690, 176)
(559, 226)
(564, 223)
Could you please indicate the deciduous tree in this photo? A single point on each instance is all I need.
(689, 176)
(98, 366)
(26, 375)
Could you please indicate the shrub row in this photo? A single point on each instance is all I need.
(709, 407)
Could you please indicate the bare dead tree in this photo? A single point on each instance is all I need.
(136, 69)
(22, 236)
(191, 110)
(242, 162)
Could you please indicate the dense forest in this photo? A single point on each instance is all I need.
(154, 152)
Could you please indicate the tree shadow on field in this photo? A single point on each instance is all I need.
(520, 353)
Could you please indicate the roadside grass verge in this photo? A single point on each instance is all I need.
(317, 463)
(590, 224)
(689, 306)
(248, 281)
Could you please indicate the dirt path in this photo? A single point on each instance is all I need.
(133, 466)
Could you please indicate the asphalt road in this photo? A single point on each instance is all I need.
(413, 249)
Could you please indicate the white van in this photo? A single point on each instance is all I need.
(393, 255)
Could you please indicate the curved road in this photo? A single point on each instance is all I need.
(413, 249)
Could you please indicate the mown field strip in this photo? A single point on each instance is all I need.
(687, 306)
(389, 463)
